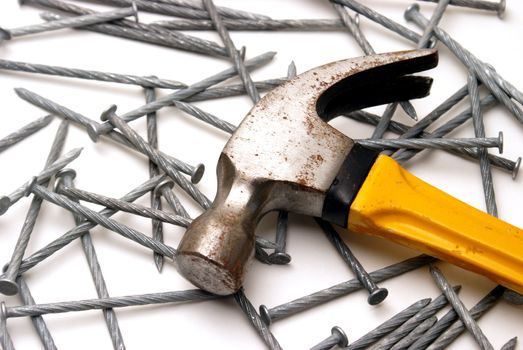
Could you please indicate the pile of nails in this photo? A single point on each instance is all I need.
(416, 327)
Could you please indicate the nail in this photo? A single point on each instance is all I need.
(428, 311)
(337, 337)
(73, 22)
(205, 116)
(164, 189)
(424, 42)
(344, 288)
(104, 221)
(412, 14)
(38, 322)
(24, 132)
(5, 340)
(79, 230)
(65, 179)
(90, 75)
(184, 93)
(108, 303)
(156, 201)
(460, 309)
(389, 325)
(255, 319)
(384, 122)
(511, 344)
(195, 172)
(479, 131)
(7, 201)
(414, 334)
(143, 147)
(450, 317)
(279, 257)
(150, 37)
(380, 19)
(113, 203)
(231, 50)
(234, 90)
(305, 25)
(435, 143)
(498, 7)
(376, 294)
(513, 297)
(224, 11)
(510, 89)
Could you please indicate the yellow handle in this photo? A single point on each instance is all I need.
(396, 205)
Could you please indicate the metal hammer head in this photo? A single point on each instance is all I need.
(285, 156)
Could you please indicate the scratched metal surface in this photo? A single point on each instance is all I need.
(109, 169)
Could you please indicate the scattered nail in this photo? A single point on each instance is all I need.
(337, 337)
(24, 132)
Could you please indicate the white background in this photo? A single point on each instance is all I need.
(112, 170)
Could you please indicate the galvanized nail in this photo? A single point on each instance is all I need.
(376, 294)
(424, 42)
(460, 309)
(337, 337)
(511, 344)
(24, 132)
(435, 143)
(224, 11)
(74, 22)
(389, 325)
(344, 288)
(5, 340)
(164, 189)
(279, 257)
(65, 178)
(415, 334)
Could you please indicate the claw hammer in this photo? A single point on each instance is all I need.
(285, 156)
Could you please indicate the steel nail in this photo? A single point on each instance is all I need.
(254, 24)
(510, 89)
(498, 7)
(424, 42)
(143, 147)
(24, 132)
(151, 37)
(389, 325)
(337, 337)
(113, 203)
(279, 257)
(38, 322)
(5, 340)
(448, 319)
(234, 90)
(184, 93)
(460, 309)
(435, 143)
(108, 303)
(90, 75)
(344, 288)
(479, 130)
(467, 58)
(79, 230)
(428, 311)
(156, 202)
(261, 327)
(513, 297)
(74, 22)
(195, 172)
(380, 19)
(65, 178)
(205, 116)
(415, 334)
(384, 122)
(104, 221)
(376, 294)
(7, 201)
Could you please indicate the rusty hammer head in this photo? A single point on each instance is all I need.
(284, 156)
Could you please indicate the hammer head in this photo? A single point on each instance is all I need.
(284, 156)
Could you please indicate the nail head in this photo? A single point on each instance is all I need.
(410, 10)
(279, 258)
(343, 340)
(265, 315)
(5, 203)
(198, 173)
(377, 296)
(8, 287)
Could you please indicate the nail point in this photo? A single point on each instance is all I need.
(377, 296)
(344, 341)
(516, 168)
(8, 287)
(4, 34)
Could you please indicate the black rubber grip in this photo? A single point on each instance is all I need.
(347, 183)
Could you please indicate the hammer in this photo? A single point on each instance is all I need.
(285, 156)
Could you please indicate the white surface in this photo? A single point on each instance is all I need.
(111, 170)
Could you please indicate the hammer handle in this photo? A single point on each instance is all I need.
(394, 204)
